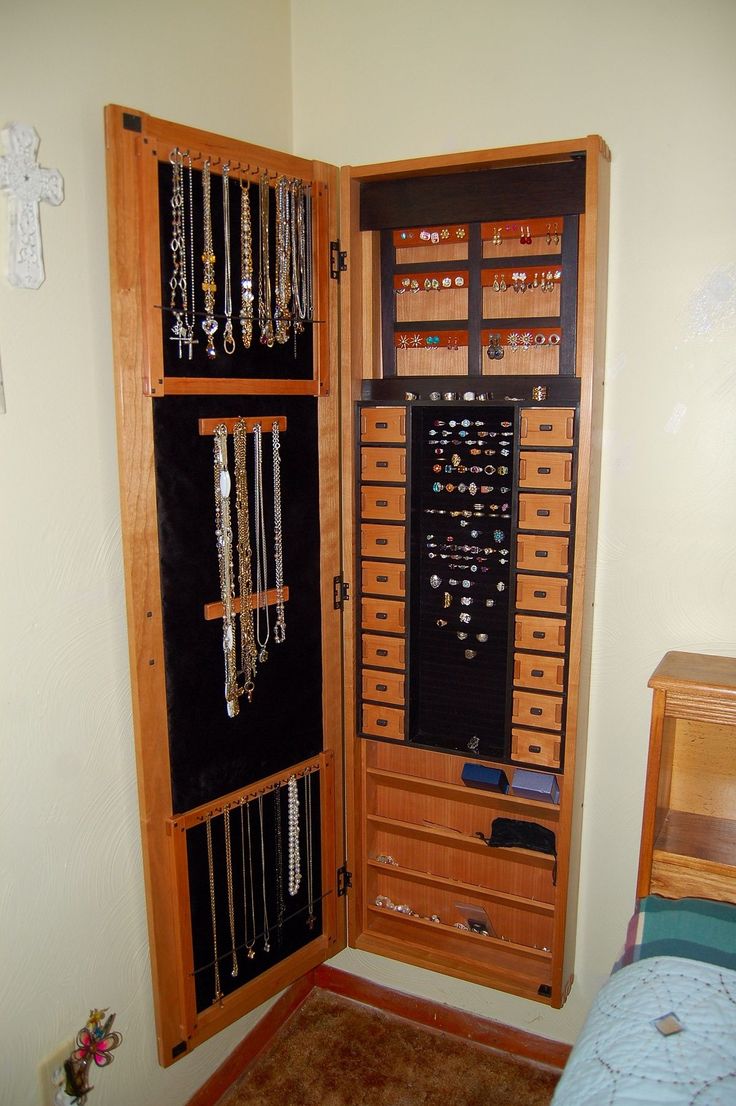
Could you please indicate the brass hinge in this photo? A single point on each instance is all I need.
(344, 881)
(338, 260)
(340, 593)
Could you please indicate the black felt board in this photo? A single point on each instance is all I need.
(284, 939)
(455, 702)
(290, 361)
(210, 753)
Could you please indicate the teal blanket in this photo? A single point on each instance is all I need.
(697, 929)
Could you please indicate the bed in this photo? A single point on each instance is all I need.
(662, 1030)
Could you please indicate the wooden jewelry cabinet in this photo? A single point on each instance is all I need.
(438, 423)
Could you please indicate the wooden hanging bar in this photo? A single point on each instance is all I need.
(208, 426)
(213, 611)
(233, 799)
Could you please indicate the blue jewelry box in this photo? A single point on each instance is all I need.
(489, 779)
(535, 785)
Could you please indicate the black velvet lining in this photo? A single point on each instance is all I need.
(459, 702)
(293, 360)
(210, 753)
(284, 937)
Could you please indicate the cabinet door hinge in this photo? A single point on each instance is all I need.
(340, 593)
(338, 260)
(344, 881)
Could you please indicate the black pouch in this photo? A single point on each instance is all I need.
(512, 833)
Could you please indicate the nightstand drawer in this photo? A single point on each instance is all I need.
(537, 710)
(382, 541)
(384, 652)
(538, 552)
(544, 512)
(541, 593)
(536, 748)
(382, 614)
(531, 632)
(383, 721)
(547, 426)
(383, 503)
(383, 464)
(545, 470)
(383, 424)
(379, 578)
(532, 671)
(384, 687)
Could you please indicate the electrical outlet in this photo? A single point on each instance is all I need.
(46, 1069)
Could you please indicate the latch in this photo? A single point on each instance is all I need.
(340, 593)
(338, 260)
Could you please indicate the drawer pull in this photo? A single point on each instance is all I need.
(381, 464)
(381, 503)
(382, 722)
(536, 711)
(381, 541)
(543, 513)
(545, 470)
(384, 426)
(381, 687)
(540, 594)
(535, 748)
(382, 579)
(545, 426)
(381, 615)
(381, 652)
(538, 672)
(540, 634)
(541, 553)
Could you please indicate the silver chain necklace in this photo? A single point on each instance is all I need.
(266, 928)
(279, 630)
(295, 870)
(228, 340)
(261, 549)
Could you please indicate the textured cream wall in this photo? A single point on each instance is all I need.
(656, 78)
(72, 914)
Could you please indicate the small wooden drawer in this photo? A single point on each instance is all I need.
(547, 673)
(383, 424)
(545, 426)
(544, 512)
(379, 578)
(536, 748)
(382, 541)
(541, 593)
(383, 464)
(382, 614)
(545, 470)
(384, 652)
(383, 503)
(383, 721)
(531, 632)
(537, 710)
(383, 687)
(541, 552)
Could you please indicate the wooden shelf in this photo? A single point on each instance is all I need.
(534, 906)
(463, 934)
(462, 793)
(699, 836)
(459, 840)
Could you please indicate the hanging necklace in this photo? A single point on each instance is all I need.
(265, 321)
(311, 919)
(213, 912)
(229, 882)
(248, 651)
(261, 550)
(309, 300)
(246, 265)
(189, 300)
(249, 943)
(280, 904)
(209, 287)
(298, 245)
(266, 929)
(178, 279)
(224, 539)
(295, 871)
(282, 268)
(227, 335)
(279, 630)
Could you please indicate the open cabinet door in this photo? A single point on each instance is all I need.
(237, 719)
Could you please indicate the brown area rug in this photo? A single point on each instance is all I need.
(336, 1052)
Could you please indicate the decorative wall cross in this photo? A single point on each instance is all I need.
(27, 184)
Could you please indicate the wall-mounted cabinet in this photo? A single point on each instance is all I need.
(401, 538)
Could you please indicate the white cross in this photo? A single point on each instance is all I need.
(27, 184)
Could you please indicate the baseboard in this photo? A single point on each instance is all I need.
(421, 1011)
(436, 1015)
